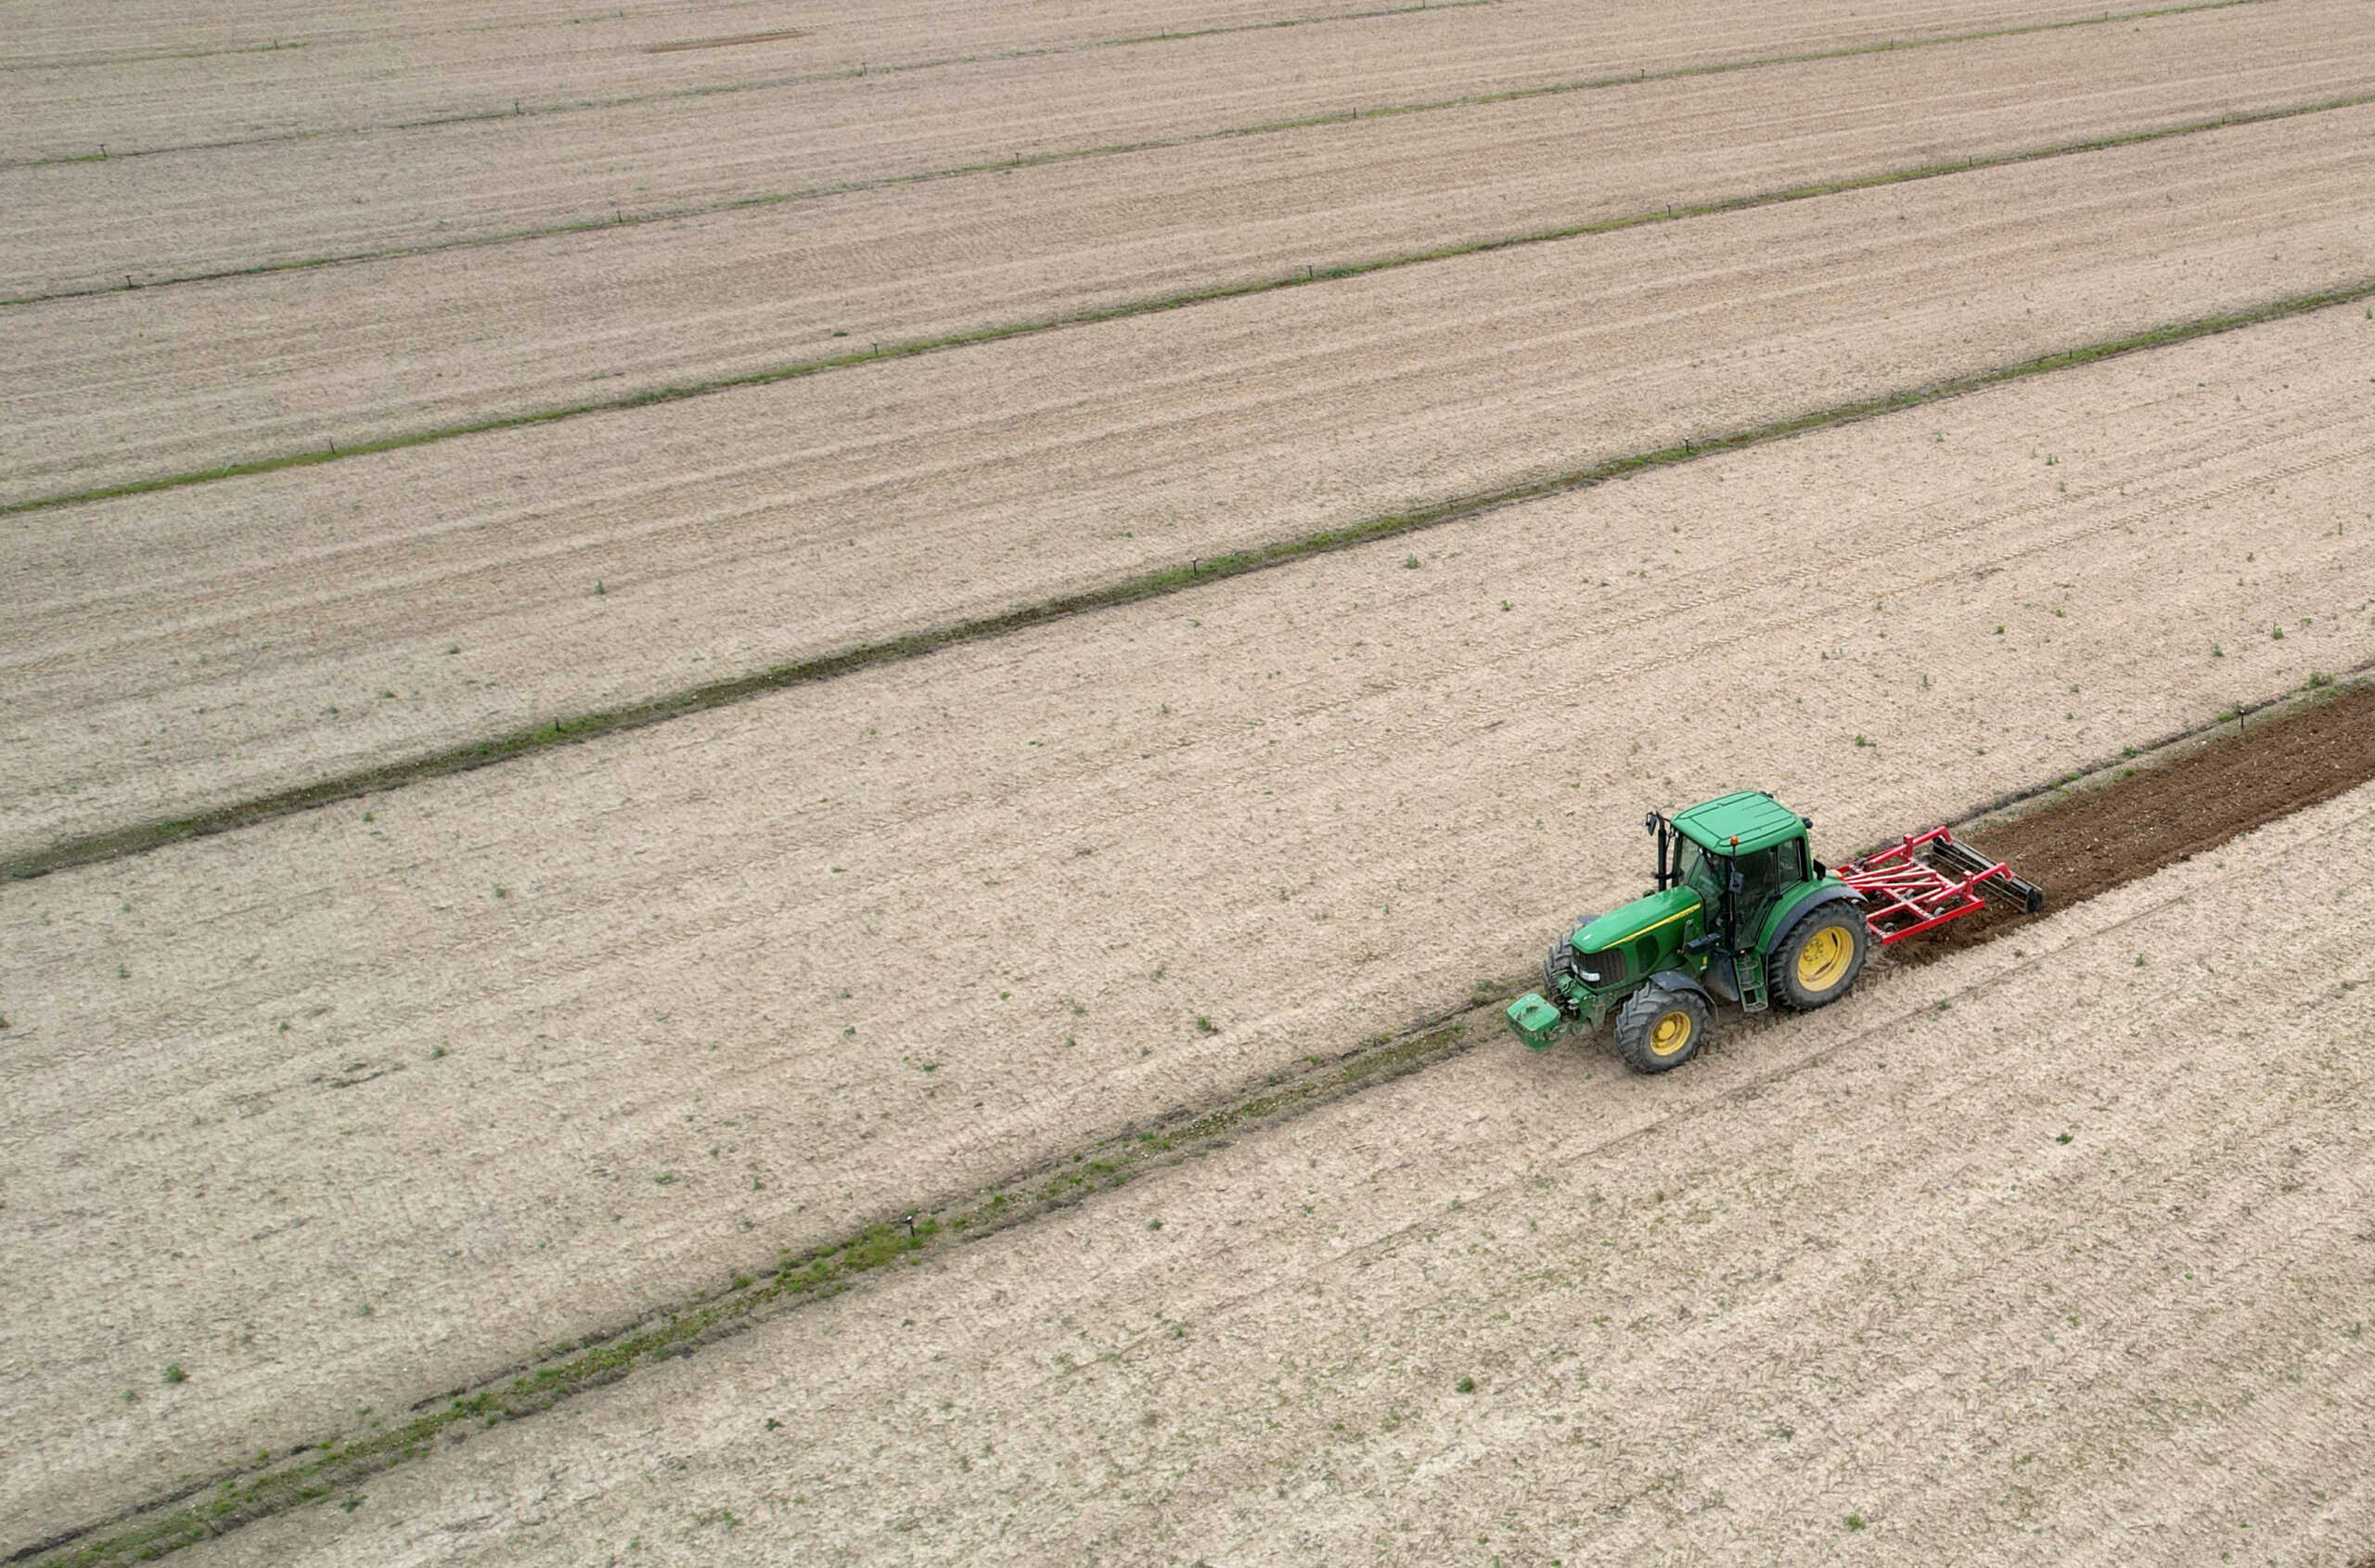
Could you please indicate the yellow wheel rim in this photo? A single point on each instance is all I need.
(1823, 961)
(1671, 1036)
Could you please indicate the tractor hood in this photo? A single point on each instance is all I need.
(1649, 913)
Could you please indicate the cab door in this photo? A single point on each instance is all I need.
(1764, 877)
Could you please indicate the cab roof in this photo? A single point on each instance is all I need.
(1739, 823)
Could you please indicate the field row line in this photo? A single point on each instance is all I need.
(628, 100)
(352, 36)
(1757, 596)
(1311, 275)
(467, 756)
(1031, 160)
(133, 56)
(225, 1502)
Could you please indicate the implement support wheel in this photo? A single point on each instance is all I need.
(1818, 960)
(1658, 1030)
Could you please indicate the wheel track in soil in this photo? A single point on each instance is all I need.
(1118, 149)
(1159, 582)
(2081, 835)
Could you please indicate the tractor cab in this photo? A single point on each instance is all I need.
(1739, 853)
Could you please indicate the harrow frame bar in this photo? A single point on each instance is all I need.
(1929, 879)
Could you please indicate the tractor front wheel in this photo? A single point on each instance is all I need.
(1819, 961)
(1658, 1030)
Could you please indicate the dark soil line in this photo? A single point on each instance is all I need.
(2191, 793)
(2087, 834)
(1032, 161)
(733, 42)
(141, 837)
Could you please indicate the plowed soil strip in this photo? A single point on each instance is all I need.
(1312, 276)
(2251, 771)
(2186, 795)
(140, 837)
(618, 218)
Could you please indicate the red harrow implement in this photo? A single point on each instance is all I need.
(1929, 879)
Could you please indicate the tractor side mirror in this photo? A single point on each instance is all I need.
(1650, 824)
(1737, 882)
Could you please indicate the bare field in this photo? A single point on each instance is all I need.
(602, 1026)
(176, 77)
(95, 225)
(135, 29)
(106, 388)
(2048, 1248)
(196, 647)
(186, 79)
(2038, 1255)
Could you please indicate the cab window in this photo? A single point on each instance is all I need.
(1700, 872)
(1761, 876)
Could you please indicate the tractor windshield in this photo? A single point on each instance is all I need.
(1763, 876)
(1701, 872)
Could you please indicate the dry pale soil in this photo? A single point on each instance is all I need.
(2053, 1250)
(2047, 1252)
(602, 1027)
(182, 650)
(118, 386)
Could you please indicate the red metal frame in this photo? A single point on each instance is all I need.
(1908, 895)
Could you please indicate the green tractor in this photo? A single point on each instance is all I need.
(1743, 911)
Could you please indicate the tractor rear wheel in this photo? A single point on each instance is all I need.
(1818, 960)
(1658, 1030)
